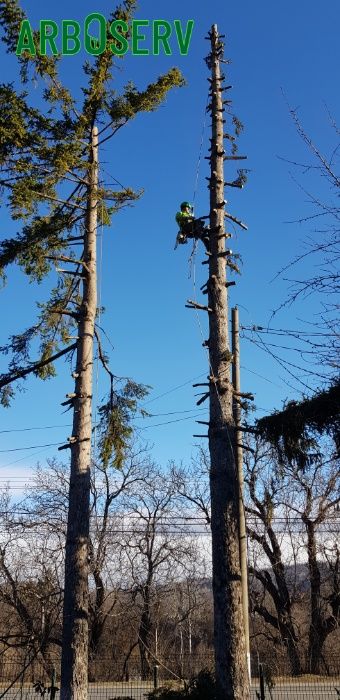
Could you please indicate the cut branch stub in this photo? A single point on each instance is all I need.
(194, 305)
(203, 398)
(71, 272)
(235, 157)
(236, 221)
(243, 395)
(248, 429)
(236, 183)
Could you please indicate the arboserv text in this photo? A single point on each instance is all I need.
(147, 36)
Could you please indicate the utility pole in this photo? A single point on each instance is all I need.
(239, 459)
(74, 662)
(229, 639)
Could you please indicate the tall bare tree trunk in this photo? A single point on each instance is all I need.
(229, 644)
(145, 627)
(74, 664)
(316, 627)
(240, 467)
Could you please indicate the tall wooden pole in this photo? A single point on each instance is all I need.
(229, 644)
(239, 459)
(74, 662)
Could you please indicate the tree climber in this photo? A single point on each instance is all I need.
(189, 227)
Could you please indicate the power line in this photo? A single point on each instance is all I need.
(172, 413)
(69, 425)
(202, 533)
(301, 351)
(286, 331)
(175, 388)
(279, 386)
(177, 420)
(21, 459)
(261, 345)
(179, 520)
(264, 346)
(39, 427)
(30, 447)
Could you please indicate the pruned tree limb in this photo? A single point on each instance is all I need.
(20, 374)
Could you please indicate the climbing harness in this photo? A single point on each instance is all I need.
(181, 238)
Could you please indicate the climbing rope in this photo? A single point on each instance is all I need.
(100, 236)
(195, 242)
(200, 153)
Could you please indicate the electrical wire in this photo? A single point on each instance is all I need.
(251, 371)
(175, 388)
(286, 331)
(177, 420)
(21, 459)
(262, 346)
(69, 425)
(173, 413)
(30, 447)
(197, 520)
(33, 532)
(40, 427)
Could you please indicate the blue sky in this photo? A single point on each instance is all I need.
(280, 52)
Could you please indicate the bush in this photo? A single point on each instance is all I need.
(201, 687)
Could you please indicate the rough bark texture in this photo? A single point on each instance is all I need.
(321, 625)
(230, 653)
(74, 666)
(144, 632)
(239, 459)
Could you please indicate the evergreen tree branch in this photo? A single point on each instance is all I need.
(6, 379)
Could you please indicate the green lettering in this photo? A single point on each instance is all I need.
(123, 44)
(95, 46)
(48, 37)
(72, 38)
(184, 41)
(158, 38)
(136, 37)
(25, 40)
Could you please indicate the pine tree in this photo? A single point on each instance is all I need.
(49, 180)
(229, 639)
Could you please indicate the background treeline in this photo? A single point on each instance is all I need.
(151, 599)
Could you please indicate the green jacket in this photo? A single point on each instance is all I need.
(182, 217)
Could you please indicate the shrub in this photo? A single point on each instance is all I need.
(201, 687)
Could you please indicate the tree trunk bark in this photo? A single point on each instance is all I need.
(229, 644)
(144, 636)
(316, 631)
(291, 643)
(74, 664)
(237, 413)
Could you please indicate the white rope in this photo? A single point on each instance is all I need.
(158, 661)
(99, 285)
(194, 245)
(200, 152)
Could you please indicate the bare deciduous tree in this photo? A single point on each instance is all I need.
(291, 511)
